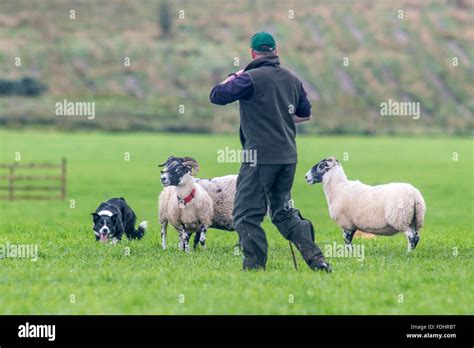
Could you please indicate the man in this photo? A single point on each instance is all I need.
(271, 100)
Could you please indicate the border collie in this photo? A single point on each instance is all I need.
(114, 217)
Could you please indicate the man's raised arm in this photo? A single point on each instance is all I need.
(237, 86)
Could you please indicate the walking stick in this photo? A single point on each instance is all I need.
(293, 254)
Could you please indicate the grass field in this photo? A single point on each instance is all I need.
(435, 279)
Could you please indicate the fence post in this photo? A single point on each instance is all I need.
(63, 181)
(11, 189)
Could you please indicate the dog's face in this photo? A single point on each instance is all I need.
(104, 226)
(176, 170)
(315, 174)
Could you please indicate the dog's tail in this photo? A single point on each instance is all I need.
(140, 232)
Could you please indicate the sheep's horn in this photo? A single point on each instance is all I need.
(191, 162)
(170, 158)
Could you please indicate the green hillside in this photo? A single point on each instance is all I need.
(83, 59)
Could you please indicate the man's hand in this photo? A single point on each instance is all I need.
(233, 76)
(297, 119)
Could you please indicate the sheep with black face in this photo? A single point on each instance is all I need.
(382, 210)
(183, 203)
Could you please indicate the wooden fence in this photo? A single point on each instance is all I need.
(10, 181)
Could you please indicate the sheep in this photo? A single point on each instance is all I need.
(220, 189)
(381, 210)
(184, 203)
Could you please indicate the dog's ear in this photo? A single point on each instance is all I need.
(95, 217)
(114, 218)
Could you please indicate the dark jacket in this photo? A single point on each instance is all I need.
(269, 97)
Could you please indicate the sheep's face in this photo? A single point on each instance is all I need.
(176, 171)
(315, 174)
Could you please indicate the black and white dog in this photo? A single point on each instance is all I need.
(114, 217)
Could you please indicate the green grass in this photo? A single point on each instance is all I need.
(433, 280)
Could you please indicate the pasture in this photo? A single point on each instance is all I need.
(75, 275)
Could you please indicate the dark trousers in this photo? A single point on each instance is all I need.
(258, 188)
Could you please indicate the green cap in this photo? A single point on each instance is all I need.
(262, 42)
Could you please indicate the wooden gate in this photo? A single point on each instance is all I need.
(21, 182)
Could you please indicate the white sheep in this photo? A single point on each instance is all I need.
(222, 191)
(382, 210)
(184, 203)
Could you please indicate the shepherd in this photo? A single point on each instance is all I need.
(272, 100)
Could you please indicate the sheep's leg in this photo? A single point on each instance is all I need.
(196, 239)
(184, 240)
(348, 235)
(163, 234)
(202, 235)
(413, 239)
